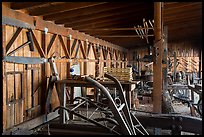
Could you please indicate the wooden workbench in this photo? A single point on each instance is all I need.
(128, 88)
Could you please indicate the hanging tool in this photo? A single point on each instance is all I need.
(37, 60)
(53, 78)
(151, 23)
(183, 59)
(194, 61)
(24, 60)
(29, 42)
(137, 32)
(146, 30)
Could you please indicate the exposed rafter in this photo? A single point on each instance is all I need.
(62, 7)
(100, 15)
(96, 18)
(26, 5)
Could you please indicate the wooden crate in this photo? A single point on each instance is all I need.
(122, 74)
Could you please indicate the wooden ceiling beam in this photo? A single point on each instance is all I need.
(194, 25)
(170, 3)
(195, 20)
(183, 24)
(21, 17)
(183, 20)
(104, 20)
(116, 11)
(62, 7)
(183, 16)
(122, 31)
(83, 12)
(121, 36)
(127, 42)
(120, 23)
(113, 32)
(173, 11)
(102, 23)
(55, 29)
(109, 29)
(108, 17)
(179, 5)
(184, 34)
(26, 5)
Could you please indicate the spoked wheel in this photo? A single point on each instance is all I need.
(97, 114)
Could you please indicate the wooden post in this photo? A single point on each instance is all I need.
(200, 64)
(157, 66)
(98, 60)
(166, 102)
(3, 107)
(84, 89)
(86, 50)
(44, 74)
(175, 63)
(69, 50)
(165, 69)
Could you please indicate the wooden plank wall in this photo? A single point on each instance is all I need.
(187, 50)
(188, 54)
(138, 53)
(57, 45)
(17, 106)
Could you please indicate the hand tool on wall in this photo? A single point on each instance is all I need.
(175, 65)
(53, 78)
(37, 60)
(29, 42)
(183, 59)
(24, 60)
(146, 30)
(184, 67)
(194, 61)
(193, 64)
(193, 67)
(16, 22)
(182, 63)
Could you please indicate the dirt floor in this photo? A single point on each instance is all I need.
(179, 108)
(145, 104)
